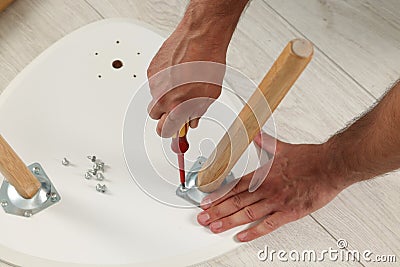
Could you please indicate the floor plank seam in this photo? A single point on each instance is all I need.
(94, 9)
(329, 233)
(322, 52)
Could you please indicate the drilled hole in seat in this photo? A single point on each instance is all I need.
(117, 64)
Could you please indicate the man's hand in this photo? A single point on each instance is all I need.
(203, 35)
(296, 185)
(179, 48)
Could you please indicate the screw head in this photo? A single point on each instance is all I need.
(65, 162)
(183, 189)
(4, 203)
(92, 158)
(28, 213)
(88, 175)
(101, 188)
(54, 197)
(100, 176)
(93, 172)
(98, 166)
(36, 170)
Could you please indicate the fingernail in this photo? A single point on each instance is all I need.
(216, 225)
(205, 203)
(242, 236)
(203, 217)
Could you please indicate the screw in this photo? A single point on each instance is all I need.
(92, 158)
(183, 188)
(98, 166)
(28, 213)
(36, 170)
(54, 197)
(93, 172)
(4, 203)
(101, 188)
(65, 162)
(100, 176)
(101, 166)
(88, 175)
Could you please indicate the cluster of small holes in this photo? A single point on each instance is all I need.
(116, 64)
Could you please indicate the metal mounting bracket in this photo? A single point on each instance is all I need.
(13, 203)
(191, 192)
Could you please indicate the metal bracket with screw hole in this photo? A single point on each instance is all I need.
(191, 193)
(13, 203)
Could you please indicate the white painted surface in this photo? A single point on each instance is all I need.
(70, 102)
(367, 215)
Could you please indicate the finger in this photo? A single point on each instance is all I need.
(160, 123)
(266, 142)
(233, 188)
(266, 226)
(246, 215)
(194, 123)
(173, 122)
(228, 207)
(156, 109)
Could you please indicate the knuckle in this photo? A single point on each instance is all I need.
(295, 214)
(236, 189)
(237, 202)
(269, 224)
(250, 213)
(153, 114)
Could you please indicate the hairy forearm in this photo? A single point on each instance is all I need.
(214, 21)
(370, 146)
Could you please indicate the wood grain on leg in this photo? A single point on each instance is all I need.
(4, 4)
(15, 171)
(273, 88)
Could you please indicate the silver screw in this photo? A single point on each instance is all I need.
(4, 203)
(100, 176)
(28, 213)
(93, 172)
(88, 175)
(98, 166)
(65, 162)
(101, 188)
(54, 197)
(101, 166)
(36, 170)
(183, 189)
(92, 158)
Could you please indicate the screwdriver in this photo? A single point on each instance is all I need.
(180, 145)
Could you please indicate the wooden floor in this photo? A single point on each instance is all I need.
(357, 58)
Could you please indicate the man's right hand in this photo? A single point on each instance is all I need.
(183, 92)
(168, 103)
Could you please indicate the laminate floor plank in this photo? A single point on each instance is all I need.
(362, 37)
